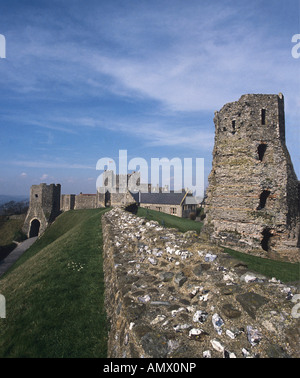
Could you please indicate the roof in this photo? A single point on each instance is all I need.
(160, 198)
(190, 200)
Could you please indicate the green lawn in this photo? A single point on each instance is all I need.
(170, 221)
(55, 293)
(284, 271)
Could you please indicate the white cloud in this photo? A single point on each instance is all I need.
(44, 177)
(47, 164)
(194, 59)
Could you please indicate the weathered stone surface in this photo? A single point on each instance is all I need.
(200, 268)
(166, 276)
(251, 302)
(253, 199)
(212, 314)
(230, 312)
(180, 279)
(155, 344)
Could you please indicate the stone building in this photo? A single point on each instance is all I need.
(44, 207)
(118, 189)
(178, 204)
(253, 194)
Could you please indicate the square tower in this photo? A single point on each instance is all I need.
(44, 207)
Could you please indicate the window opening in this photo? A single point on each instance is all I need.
(263, 199)
(261, 149)
(233, 127)
(265, 242)
(263, 116)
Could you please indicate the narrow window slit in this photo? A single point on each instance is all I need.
(261, 149)
(233, 127)
(263, 116)
(263, 199)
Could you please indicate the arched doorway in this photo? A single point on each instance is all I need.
(34, 228)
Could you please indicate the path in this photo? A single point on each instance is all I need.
(6, 263)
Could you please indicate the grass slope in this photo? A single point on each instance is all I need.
(170, 221)
(55, 293)
(10, 229)
(284, 271)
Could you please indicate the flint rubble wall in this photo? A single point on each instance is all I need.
(170, 295)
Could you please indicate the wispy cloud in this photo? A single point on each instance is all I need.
(92, 79)
(47, 164)
(188, 61)
(184, 137)
(160, 133)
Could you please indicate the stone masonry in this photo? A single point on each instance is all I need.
(253, 193)
(168, 294)
(82, 201)
(44, 207)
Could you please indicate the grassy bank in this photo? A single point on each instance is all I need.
(55, 293)
(170, 221)
(284, 271)
(10, 230)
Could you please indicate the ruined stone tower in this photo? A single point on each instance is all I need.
(44, 207)
(253, 194)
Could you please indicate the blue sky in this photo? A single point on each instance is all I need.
(85, 79)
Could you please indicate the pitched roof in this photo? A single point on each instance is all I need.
(161, 198)
(190, 200)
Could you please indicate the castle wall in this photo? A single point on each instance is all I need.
(119, 199)
(82, 201)
(67, 202)
(168, 295)
(85, 201)
(252, 199)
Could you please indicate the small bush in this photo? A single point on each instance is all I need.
(19, 236)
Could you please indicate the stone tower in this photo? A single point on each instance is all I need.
(44, 207)
(253, 193)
